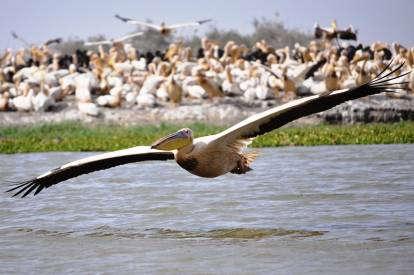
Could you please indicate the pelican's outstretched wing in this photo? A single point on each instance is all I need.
(129, 36)
(347, 34)
(88, 165)
(276, 117)
(193, 24)
(135, 22)
(15, 36)
(52, 41)
(320, 32)
(96, 43)
(325, 33)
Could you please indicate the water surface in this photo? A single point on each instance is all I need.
(342, 209)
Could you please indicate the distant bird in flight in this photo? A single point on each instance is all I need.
(334, 32)
(112, 41)
(47, 43)
(218, 154)
(163, 28)
(15, 36)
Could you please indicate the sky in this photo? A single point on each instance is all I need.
(40, 20)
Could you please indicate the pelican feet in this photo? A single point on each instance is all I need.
(242, 167)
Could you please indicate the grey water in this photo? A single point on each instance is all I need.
(325, 209)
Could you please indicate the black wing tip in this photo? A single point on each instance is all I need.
(27, 187)
(204, 21)
(16, 185)
(382, 80)
(124, 19)
(52, 41)
(14, 34)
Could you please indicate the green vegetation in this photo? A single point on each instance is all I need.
(73, 136)
(375, 133)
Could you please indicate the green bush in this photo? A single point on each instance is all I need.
(73, 136)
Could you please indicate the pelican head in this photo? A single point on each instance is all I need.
(173, 141)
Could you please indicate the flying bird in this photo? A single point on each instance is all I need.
(112, 41)
(47, 43)
(163, 28)
(15, 36)
(214, 155)
(53, 41)
(334, 32)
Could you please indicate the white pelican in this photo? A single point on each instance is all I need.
(174, 90)
(214, 155)
(163, 28)
(112, 41)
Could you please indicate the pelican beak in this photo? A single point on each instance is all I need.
(171, 142)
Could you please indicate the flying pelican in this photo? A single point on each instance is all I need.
(112, 41)
(214, 155)
(334, 32)
(47, 43)
(163, 28)
(15, 36)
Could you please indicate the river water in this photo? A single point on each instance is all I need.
(325, 209)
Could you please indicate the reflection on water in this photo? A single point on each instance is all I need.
(302, 209)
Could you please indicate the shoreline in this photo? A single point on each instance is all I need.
(75, 136)
(220, 112)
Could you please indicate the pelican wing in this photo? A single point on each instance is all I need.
(52, 41)
(192, 24)
(319, 32)
(347, 34)
(129, 36)
(88, 165)
(15, 36)
(276, 117)
(135, 22)
(97, 43)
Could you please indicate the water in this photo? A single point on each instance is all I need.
(330, 209)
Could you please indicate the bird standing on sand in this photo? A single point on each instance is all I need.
(4, 101)
(174, 90)
(209, 86)
(163, 28)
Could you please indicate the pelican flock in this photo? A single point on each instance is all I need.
(163, 28)
(214, 155)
